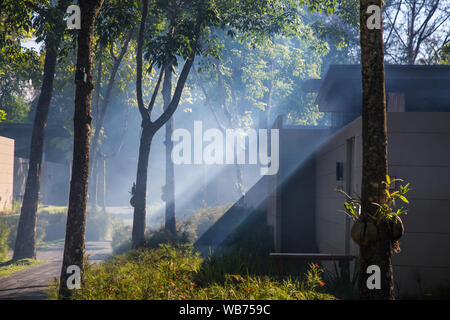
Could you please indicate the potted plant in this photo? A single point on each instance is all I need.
(365, 228)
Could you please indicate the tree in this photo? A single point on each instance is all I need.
(253, 81)
(20, 68)
(76, 214)
(445, 54)
(193, 35)
(416, 30)
(25, 246)
(374, 144)
(116, 22)
(170, 46)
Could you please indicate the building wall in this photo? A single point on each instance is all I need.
(291, 203)
(419, 153)
(54, 187)
(6, 172)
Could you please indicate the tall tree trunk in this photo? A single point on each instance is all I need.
(104, 185)
(374, 157)
(93, 190)
(169, 188)
(137, 238)
(25, 246)
(93, 177)
(76, 215)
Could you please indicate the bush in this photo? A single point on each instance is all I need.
(169, 272)
(204, 218)
(121, 236)
(51, 224)
(4, 236)
(98, 225)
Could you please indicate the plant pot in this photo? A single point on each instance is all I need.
(132, 201)
(396, 229)
(363, 233)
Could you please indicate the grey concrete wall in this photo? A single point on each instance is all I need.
(419, 153)
(6, 172)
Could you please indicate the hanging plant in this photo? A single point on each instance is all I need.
(365, 229)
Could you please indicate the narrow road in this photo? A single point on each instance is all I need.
(32, 283)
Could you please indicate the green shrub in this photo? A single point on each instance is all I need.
(247, 249)
(51, 225)
(14, 266)
(121, 237)
(4, 236)
(204, 218)
(169, 272)
(98, 225)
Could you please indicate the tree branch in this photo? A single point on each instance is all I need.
(143, 111)
(177, 94)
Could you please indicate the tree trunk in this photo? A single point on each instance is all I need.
(76, 215)
(25, 246)
(93, 190)
(374, 156)
(169, 188)
(101, 113)
(137, 238)
(93, 177)
(104, 185)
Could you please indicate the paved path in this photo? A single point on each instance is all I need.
(32, 283)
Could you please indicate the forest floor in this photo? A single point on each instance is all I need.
(32, 283)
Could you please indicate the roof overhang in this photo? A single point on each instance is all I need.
(342, 85)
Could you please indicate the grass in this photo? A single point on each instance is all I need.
(49, 244)
(52, 209)
(14, 266)
(172, 272)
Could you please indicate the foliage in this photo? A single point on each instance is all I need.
(386, 210)
(217, 265)
(168, 272)
(445, 54)
(120, 237)
(252, 78)
(204, 218)
(246, 251)
(313, 277)
(19, 67)
(4, 236)
(51, 224)
(14, 266)
(341, 284)
(189, 229)
(19, 74)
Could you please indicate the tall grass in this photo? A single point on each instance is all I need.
(4, 236)
(175, 272)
